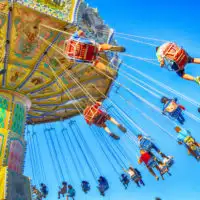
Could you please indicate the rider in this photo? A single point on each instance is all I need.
(94, 115)
(71, 192)
(85, 186)
(185, 137)
(82, 49)
(150, 162)
(125, 180)
(146, 144)
(103, 185)
(62, 190)
(44, 190)
(37, 193)
(135, 175)
(171, 54)
(173, 109)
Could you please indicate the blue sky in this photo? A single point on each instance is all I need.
(170, 20)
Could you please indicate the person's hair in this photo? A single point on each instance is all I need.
(131, 168)
(142, 151)
(157, 48)
(177, 129)
(139, 135)
(64, 183)
(69, 186)
(164, 99)
(157, 198)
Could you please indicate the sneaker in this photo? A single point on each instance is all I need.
(117, 49)
(123, 129)
(116, 137)
(197, 80)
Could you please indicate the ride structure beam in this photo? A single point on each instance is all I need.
(13, 108)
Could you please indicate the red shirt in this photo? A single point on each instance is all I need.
(145, 157)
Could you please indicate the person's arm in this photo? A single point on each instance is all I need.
(161, 60)
(126, 171)
(140, 160)
(182, 107)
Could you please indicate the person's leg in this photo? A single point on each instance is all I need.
(188, 77)
(142, 182)
(158, 168)
(108, 47)
(104, 47)
(196, 60)
(181, 119)
(118, 124)
(196, 143)
(110, 133)
(67, 197)
(152, 172)
(190, 151)
(158, 151)
(137, 183)
(169, 173)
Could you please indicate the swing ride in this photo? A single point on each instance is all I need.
(59, 60)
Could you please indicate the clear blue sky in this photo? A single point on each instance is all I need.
(170, 20)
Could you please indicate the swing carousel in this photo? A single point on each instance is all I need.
(39, 83)
(41, 86)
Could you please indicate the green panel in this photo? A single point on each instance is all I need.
(3, 109)
(18, 119)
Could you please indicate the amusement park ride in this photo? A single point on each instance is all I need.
(32, 68)
(59, 60)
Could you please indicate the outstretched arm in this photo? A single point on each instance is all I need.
(124, 170)
(182, 107)
(161, 60)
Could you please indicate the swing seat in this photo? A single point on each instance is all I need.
(169, 162)
(94, 115)
(173, 53)
(136, 177)
(86, 188)
(125, 182)
(164, 170)
(79, 51)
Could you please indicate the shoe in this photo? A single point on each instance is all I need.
(116, 137)
(157, 178)
(197, 80)
(117, 49)
(123, 129)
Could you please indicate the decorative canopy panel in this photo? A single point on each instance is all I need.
(31, 51)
